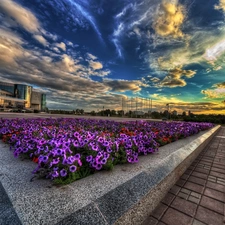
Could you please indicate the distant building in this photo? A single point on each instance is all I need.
(20, 95)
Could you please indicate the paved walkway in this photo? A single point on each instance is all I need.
(198, 198)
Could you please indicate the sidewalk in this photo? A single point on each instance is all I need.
(198, 198)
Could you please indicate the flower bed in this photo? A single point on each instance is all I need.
(68, 149)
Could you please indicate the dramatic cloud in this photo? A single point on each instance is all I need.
(214, 93)
(215, 51)
(221, 5)
(24, 17)
(123, 85)
(174, 78)
(169, 20)
(84, 54)
(220, 85)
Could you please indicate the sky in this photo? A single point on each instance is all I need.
(92, 54)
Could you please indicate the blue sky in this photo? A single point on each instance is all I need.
(92, 53)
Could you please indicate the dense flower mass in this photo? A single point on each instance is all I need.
(69, 149)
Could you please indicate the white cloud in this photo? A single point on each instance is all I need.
(61, 45)
(95, 65)
(21, 15)
(41, 39)
(91, 56)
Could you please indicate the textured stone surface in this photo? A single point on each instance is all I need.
(8, 215)
(89, 215)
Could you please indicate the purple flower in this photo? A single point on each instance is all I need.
(104, 161)
(98, 167)
(55, 174)
(77, 156)
(89, 158)
(45, 159)
(63, 173)
(73, 168)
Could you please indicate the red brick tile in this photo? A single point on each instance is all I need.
(201, 175)
(175, 190)
(150, 221)
(201, 170)
(168, 199)
(216, 174)
(188, 172)
(214, 194)
(205, 163)
(184, 206)
(174, 217)
(180, 183)
(197, 180)
(196, 222)
(212, 204)
(209, 217)
(218, 187)
(194, 187)
(159, 211)
(161, 223)
(184, 176)
(218, 170)
(218, 166)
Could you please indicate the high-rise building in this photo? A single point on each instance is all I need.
(20, 95)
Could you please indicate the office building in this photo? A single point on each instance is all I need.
(21, 96)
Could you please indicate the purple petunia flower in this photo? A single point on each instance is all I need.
(77, 156)
(63, 173)
(45, 159)
(73, 168)
(55, 174)
(89, 158)
(98, 166)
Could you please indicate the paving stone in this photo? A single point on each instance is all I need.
(159, 211)
(150, 221)
(218, 170)
(161, 223)
(183, 195)
(174, 217)
(184, 176)
(168, 199)
(180, 183)
(208, 216)
(186, 191)
(175, 190)
(202, 170)
(218, 166)
(218, 187)
(196, 195)
(194, 199)
(194, 187)
(201, 175)
(197, 222)
(214, 194)
(212, 204)
(188, 172)
(197, 180)
(216, 174)
(184, 206)
(206, 163)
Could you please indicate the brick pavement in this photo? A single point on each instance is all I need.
(198, 197)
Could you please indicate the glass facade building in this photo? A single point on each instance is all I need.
(19, 92)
